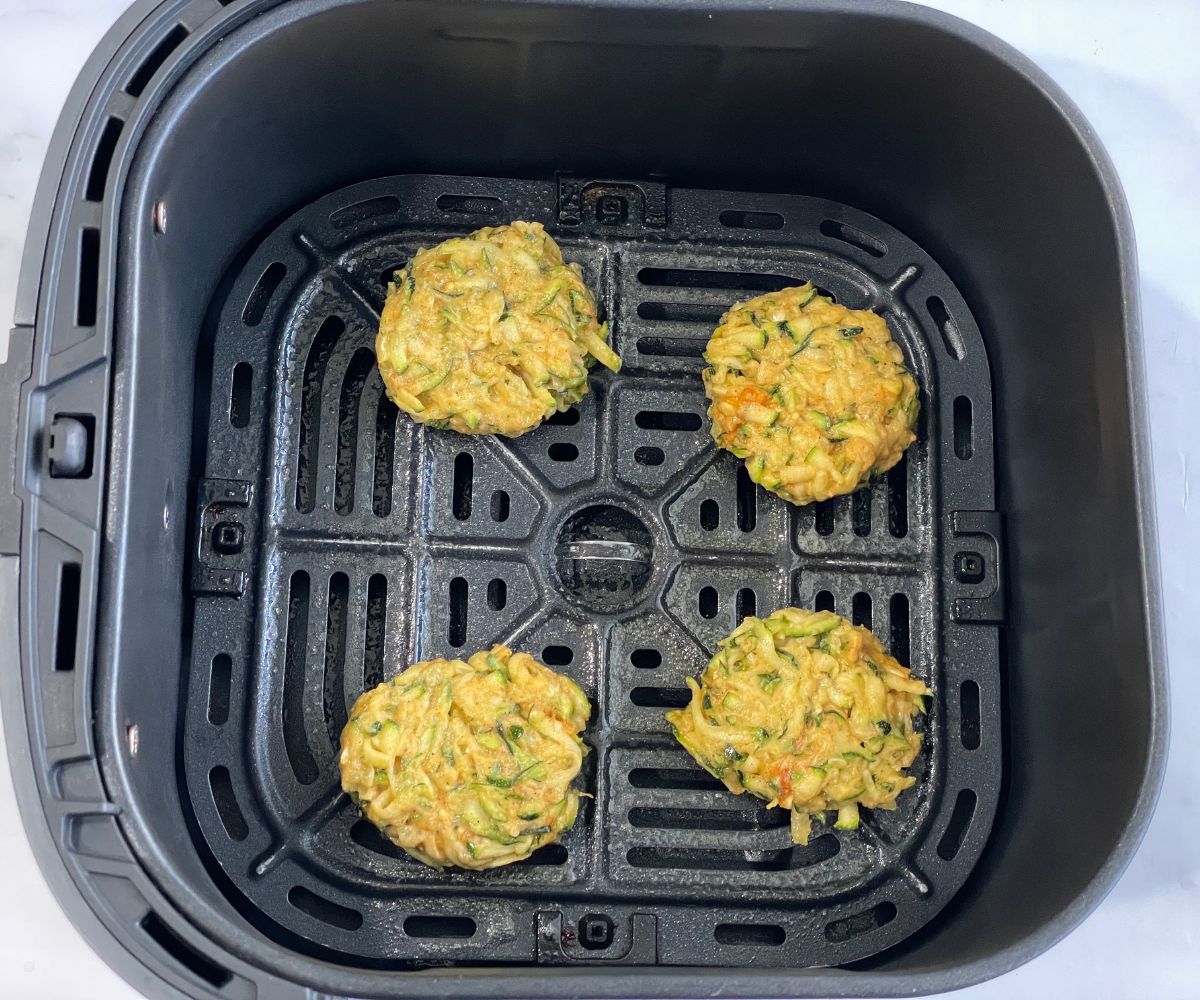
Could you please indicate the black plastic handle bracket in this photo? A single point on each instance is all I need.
(977, 567)
(222, 506)
(596, 938)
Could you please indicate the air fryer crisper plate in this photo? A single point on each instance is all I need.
(337, 542)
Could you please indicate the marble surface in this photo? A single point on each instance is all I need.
(1133, 71)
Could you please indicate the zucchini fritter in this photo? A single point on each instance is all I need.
(490, 333)
(814, 396)
(468, 763)
(807, 711)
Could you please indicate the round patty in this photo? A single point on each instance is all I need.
(807, 711)
(468, 763)
(490, 333)
(814, 396)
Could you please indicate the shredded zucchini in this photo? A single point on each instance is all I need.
(453, 759)
(814, 396)
(807, 711)
(490, 333)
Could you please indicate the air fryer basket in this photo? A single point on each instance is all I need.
(225, 530)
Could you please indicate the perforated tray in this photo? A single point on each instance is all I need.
(336, 542)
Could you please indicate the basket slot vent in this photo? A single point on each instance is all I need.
(646, 659)
(860, 609)
(823, 601)
(385, 456)
(708, 819)
(667, 420)
(497, 594)
(964, 435)
(295, 742)
(361, 367)
(226, 803)
(946, 327)
(649, 456)
(747, 501)
(860, 512)
(260, 296)
(655, 697)
(240, 385)
(377, 595)
(672, 347)
(457, 634)
(308, 457)
(968, 697)
(846, 928)
(324, 910)
(708, 602)
(853, 237)
(439, 927)
(746, 604)
(218, 688)
(751, 935)
(718, 859)
(460, 494)
(500, 506)
(898, 619)
(558, 656)
(710, 515)
(960, 821)
(897, 495)
(335, 656)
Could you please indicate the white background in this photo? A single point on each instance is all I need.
(1134, 71)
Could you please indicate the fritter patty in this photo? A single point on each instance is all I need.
(490, 333)
(468, 763)
(814, 396)
(807, 711)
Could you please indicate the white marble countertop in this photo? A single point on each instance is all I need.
(1132, 68)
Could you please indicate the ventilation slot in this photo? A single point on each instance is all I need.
(681, 312)
(860, 512)
(497, 594)
(562, 451)
(898, 614)
(667, 420)
(956, 830)
(137, 83)
(751, 935)
(219, 678)
(823, 518)
(739, 281)
(823, 601)
(964, 444)
(102, 159)
(652, 697)
(308, 459)
(557, 656)
(860, 610)
(324, 910)
(564, 418)
(360, 368)
(689, 779)
(198, 965)
(226, 803)
(733, 219)
(747, 501)
(470, 204)
(648, 456)
(699, 859)
(374, 208)
(239, 394)
(500, 506)
(646, 659)
(968, 699)
(861, 923)
(853, 237)
(897, 495)
(946, 327)
(708, 602)
(746, 604)
(672, 347)
(460, 495)
(385, 456)
(367, 836)
(66, 629)
(376, 628)
(260, 297)
(710, 515)
(88, 279)
(295, 655)
(457, 634)
(439, 927)
(335, 657)
(708, 819)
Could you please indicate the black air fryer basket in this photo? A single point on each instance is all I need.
(220, 529)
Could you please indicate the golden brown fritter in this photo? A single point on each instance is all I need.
(490, 333)
(814, 396)
(807, 711)
(468, 763)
